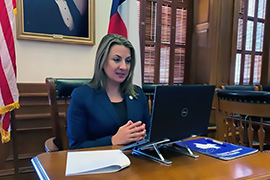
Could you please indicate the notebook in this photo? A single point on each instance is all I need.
(179, 112)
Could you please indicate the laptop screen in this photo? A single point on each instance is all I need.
(181, 111)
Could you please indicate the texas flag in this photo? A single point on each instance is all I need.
(124, 21)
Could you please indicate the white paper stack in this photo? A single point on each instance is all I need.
(93, 162)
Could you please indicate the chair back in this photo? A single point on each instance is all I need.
(59, 91)
(149, 90)
(240, 87)
(265, 88)
(242, 116)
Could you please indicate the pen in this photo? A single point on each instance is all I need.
(214, 141)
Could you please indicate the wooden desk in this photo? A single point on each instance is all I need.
(256, 166)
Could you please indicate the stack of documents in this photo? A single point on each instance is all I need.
(217, 149)
(93, 162)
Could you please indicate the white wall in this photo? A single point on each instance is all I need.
(37, 60)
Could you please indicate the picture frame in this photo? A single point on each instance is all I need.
(61, 21)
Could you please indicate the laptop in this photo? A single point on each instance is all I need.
(178, 112)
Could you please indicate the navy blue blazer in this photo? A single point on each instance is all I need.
(92, 119)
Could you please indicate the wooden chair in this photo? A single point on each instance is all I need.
(149, 90)
(241, 115)
(59, 91)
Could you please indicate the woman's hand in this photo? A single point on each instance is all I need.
(130, 132)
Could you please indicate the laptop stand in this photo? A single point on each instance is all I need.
(139, 151)
(160, 144)
(175, 148)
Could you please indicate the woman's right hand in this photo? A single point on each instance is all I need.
(130, 132)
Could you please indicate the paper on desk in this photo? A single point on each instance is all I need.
(93, 162)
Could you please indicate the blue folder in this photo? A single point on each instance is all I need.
(217, 149)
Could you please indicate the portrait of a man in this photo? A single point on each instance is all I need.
(57, 17)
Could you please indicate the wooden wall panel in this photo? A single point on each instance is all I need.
(212, 45)
(212, 41)
(33, 127)
(265, 74)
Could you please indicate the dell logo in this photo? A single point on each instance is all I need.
(184, 112)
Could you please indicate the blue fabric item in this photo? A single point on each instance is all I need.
(92, 119)
(240, 87)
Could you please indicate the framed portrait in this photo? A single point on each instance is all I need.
(64, 21)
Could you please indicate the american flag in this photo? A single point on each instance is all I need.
(124, 21)
(8, 86)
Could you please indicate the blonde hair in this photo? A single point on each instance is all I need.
(99, 78)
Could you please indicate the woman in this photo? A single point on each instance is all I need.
(110, 110)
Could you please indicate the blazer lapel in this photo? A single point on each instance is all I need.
(130, 107)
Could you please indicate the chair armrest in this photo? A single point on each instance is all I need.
(50, 146)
